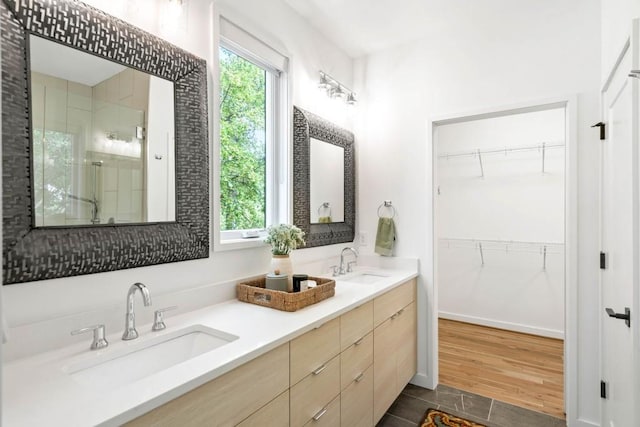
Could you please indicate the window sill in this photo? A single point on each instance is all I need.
(238, 244)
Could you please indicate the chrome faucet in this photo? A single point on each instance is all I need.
(348, 270)
(130, 332)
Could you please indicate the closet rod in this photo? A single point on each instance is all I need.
(502, 242)
(505, 150)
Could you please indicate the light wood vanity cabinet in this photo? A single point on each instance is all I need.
(357, 401)
(310, 397)
(395, 348)
(309, 352)
(229, 399)
(273, 414)
(355, 324)
(328, 417)
(346, 372)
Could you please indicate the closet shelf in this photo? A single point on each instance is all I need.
(505, 150)
(504, 245)
(541, 148)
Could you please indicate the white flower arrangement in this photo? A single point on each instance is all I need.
(284, 238)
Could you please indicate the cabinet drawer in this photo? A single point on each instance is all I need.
(273, 414)
(313, 349)
(328, 418)
(393, 301)
(357, 402)
(355, 360)
(356, 324)
(229, 399)
(313, 393)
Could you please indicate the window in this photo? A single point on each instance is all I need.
(243, 139)
(251, 128)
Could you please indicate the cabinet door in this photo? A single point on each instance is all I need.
(407, 347)
(385, 375)
(273, 414)
(313, 349)
(357, 401)
(229, 399)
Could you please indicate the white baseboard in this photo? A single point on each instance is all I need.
(583, 423)
(423, 380)
(516, 327)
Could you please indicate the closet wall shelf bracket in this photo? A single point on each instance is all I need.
(480, 160)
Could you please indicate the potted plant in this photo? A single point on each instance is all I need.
(283, 239)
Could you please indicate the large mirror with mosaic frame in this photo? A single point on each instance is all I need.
(57, 220)
(323, 180)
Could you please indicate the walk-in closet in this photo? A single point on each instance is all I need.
(500, 225)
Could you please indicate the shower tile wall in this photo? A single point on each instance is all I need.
(99, 124)
(121, 105)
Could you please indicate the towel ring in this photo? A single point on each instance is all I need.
(387, 204)
(325, 205)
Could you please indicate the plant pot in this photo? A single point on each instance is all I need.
(283, 264)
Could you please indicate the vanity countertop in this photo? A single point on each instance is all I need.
(37, 391)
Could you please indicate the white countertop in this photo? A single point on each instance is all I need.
(38, 392)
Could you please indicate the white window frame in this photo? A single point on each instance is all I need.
(278, 140)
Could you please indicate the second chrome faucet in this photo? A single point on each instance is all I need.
(130, 331)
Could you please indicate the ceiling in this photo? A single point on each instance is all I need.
(361, 27)
(55, 59)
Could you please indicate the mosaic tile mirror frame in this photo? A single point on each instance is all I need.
(307, 125)
(31, 253)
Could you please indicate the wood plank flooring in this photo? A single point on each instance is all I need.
(521, 369)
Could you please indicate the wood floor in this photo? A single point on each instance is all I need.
(521, 369)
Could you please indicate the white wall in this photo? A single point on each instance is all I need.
(513, 201)
(160, 177)
(616, 25)
(511, 59)
(33, 302)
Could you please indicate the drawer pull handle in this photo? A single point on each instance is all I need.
(320, 369)
(319, 326)
(359, 341)
(360, 377)
(398, 313)
(319, 415)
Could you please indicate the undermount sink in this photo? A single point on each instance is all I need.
(127, 365)
(365, 277)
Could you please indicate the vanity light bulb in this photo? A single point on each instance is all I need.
(323, 84)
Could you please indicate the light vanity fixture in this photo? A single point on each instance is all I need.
(335, 89)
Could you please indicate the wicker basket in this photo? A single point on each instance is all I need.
(255, 292)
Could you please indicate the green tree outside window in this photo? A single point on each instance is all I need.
(242, 143)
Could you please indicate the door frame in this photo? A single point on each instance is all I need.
(428, 312)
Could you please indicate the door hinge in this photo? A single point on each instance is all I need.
(603, 261)
(602, 126)
(603, 389)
